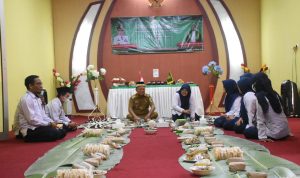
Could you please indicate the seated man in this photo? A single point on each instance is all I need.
(31, 121)
(139, 105)
(55, 110)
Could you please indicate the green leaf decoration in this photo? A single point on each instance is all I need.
(68, 153)
(257, 158)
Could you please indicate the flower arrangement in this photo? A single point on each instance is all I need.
(245, 68)
(213, 68)
(72, 84)
(264, 68)
(94, 74)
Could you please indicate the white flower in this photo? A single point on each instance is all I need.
(68, 85)
(95, 73)
(90, 67)
(102, 71)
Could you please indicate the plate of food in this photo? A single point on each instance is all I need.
(192, 158)
(202, 170)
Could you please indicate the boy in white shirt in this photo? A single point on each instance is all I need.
(54, 109)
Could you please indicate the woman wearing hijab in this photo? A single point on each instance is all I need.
(248, 108)
(271, 121)
(183, 104)
(232, 106)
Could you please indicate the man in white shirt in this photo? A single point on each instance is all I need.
(54, 109)
(121, 38)
(31, 121)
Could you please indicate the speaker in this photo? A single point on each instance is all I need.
(290, 98)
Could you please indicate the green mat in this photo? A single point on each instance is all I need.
(67, 153)
(257, 158)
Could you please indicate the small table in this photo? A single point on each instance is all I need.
(118, 98)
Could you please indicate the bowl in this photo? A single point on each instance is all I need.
(200, 171)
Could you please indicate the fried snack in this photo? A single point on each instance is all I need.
(217, 142)
(99, 173)
(92, 132)
(109, 141)
(88, 149)
(235, 159)
(203, 130)
(71, 173)
(119, 140)
(193, 140)
(257, 175)
(82, 173)
(217, 145)
(199, 149)
(122, 131)
(188, 131)
(237, 166)
(222, 153)
(99, 156)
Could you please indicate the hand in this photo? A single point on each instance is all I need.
(136, 119)
(266, 140)
(239, 122)
(72, 125)
(53, 125)
(223, 114)
(186, 111)
(147, 117)
(229, 117)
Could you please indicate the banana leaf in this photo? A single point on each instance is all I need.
(242, 143)
(68, 153)
(257, 158)
(234, 141)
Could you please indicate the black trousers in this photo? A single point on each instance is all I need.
(182, 116)
(68, 129)
(44, 134)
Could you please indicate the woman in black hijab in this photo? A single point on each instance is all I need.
(271, 121)
(232, 105)
(183, 105)
(248, 98)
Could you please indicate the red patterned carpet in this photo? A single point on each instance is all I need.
(151, 156)
(138, 161)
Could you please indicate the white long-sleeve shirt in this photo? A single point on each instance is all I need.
(29, 114)
(176, 105)
(55, 111)
(271, 124)
(235, 108)
(250, 105)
